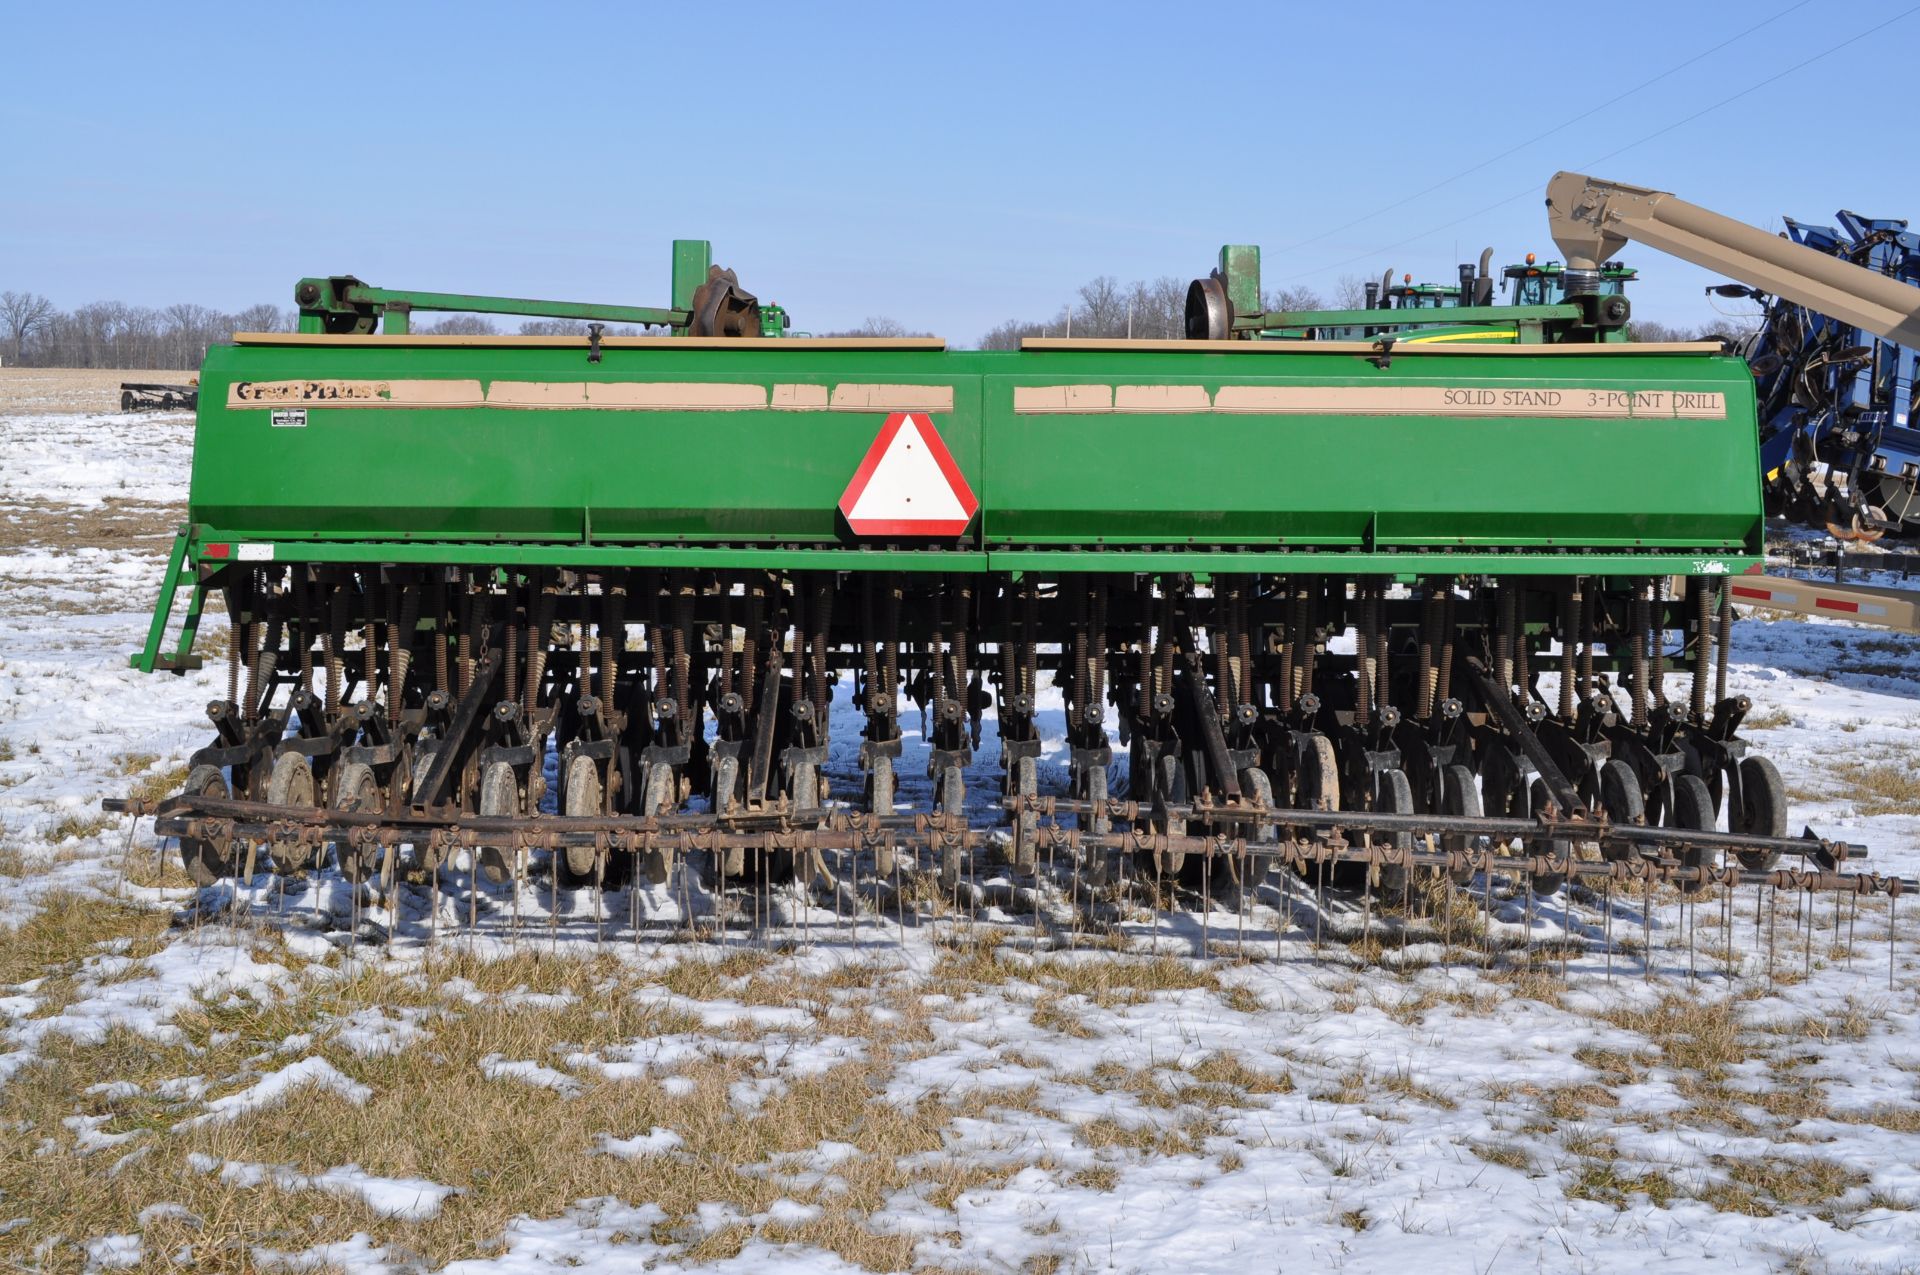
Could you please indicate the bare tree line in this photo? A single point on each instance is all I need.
(113, 334)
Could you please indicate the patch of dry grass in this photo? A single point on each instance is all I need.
(1878, 787)
(1228, 1069)
(79, 828)
(67, 928)
(1691, 1034)
(1810, 1182)
(1509, 1155)
(1610, 1182)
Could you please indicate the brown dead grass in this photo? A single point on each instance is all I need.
(511, 1149)
(117, 522)
(1878, 788)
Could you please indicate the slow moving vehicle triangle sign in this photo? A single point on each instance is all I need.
(908, 484)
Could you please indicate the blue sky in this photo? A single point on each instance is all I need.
(947, 166)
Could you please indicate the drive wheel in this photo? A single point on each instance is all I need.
(204, 861)
(1762, 812)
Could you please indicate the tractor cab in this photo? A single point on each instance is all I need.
(1533, 283)
(1408, 295)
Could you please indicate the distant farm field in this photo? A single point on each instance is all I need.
(73, 389)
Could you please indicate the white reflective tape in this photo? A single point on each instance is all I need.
(254, 553)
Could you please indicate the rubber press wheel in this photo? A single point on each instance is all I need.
(499, 798)
(1027, 828)
(1098, 822)
(731, 863)
(1620, 798)
(1395, 797)
(1461, 797)
(581, 794)
(880, 789)
(953, 800)
(1258, 790)
(1762, 811)
(354, 789)
(1692, 808)
(291, 784)
(1547, 884)
(658, 799)
(203, 861)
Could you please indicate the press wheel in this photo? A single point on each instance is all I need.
(1692, 808)
(1459, 795)
(952, 800)
(880, 791)
(1026, 828)
(1762, 811)
(732, 862)
(657, 798)
(1393, 795)
(581, 794)
(205, 862)
(1620, 797)
(1547, 883)
(291, 784)
(354, 789)
(499, 798)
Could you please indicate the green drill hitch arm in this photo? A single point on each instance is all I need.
(343, 305)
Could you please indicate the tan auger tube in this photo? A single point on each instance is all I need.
(1593, 219)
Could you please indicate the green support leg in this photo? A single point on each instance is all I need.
(148, 658)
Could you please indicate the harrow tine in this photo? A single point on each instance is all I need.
(1806, 942)
(1646, 931)
(1773, 930)
(1607, 904)
(1853, 916)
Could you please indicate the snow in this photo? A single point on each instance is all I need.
(540, 1076)
(656, 1142)
(275, 1087)
(1077, 1121)
(113, 1252)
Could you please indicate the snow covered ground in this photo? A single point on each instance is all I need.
(221, 1078)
